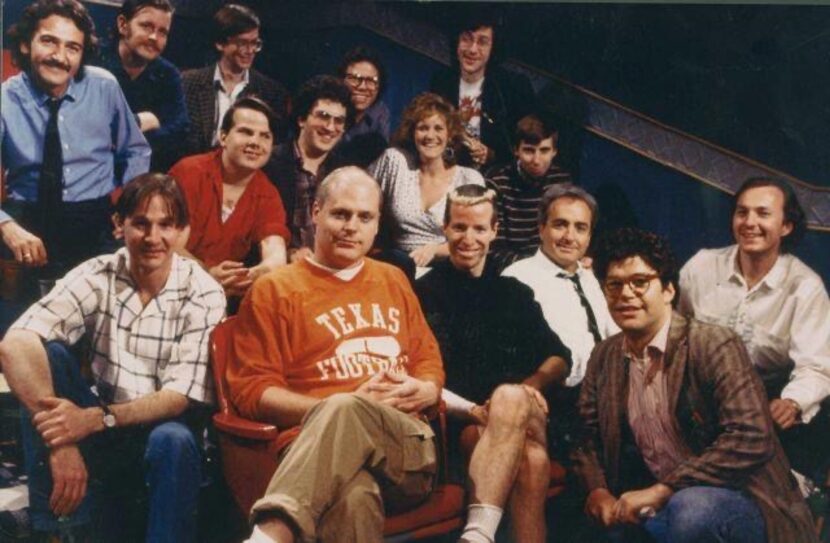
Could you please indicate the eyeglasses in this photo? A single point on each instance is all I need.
(468, 39)
(325, 117)
(251, 45)
(355, 80)
(638, 284)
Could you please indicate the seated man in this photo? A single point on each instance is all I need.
(778, 306)
(520, 185)
(146, 315)
(492, 332)
(322, 111)
(233, 207)
(678, 439)
(337, 343)
(569, 294)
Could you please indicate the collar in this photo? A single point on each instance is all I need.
(40, 97)
(553, 267)
(217, 77)
(344, 275)
(658, 343)
(772, 280)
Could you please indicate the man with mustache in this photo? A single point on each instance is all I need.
(334, 349)
(779, 307)
(128, 430)
(68, 139)
(500, 358)
(210, 91)
(151, 83)
(237, 220)
(489, 98)
(678, 442)
(322, 111)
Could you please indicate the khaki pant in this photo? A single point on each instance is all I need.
(352, 459)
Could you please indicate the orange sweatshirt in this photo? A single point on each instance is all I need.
(303, 329)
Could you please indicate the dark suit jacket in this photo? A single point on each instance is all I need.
(200, 95)
(723, 416)
(506, 98)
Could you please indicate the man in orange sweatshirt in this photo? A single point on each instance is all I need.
(338, 343)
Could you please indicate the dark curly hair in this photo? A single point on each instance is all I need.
(361, 53)
(24, 30)
(793, 212)
(628, 242)
(323, 87)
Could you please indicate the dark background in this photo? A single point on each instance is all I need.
(752, 79)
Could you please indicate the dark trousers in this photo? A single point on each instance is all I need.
(150, 472)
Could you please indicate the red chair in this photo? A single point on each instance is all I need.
(250, 449)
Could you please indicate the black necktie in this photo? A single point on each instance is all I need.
(50, 186)
(592, 320)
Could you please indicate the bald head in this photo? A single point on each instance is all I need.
(346, 213)
(346, 176)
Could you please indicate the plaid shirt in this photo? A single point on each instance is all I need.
(135, 350)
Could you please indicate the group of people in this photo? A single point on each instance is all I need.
(679, 399)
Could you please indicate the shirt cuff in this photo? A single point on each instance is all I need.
(457, 406)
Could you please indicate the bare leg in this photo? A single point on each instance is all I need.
(497, 456)
(527, 502)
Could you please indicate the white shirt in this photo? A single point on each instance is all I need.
(562, 308)
(136, 349)
(469, 105)
(224, 99)
(783, 320)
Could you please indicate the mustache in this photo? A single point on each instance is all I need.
(56, 64)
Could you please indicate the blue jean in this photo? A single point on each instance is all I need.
(162, 462)
(703, 514)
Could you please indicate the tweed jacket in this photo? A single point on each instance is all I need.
(200, 95)
(723, 417)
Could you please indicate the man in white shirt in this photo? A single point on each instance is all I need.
(570, 296)
(779, 307)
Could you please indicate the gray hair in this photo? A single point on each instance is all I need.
(567, 190)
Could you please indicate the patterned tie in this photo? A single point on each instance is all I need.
(50, 185)
(592, 320)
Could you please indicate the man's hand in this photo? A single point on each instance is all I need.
(479, 414)
(406, 393)
(64, 423)
(785, 412)
(600, 506)
(233, 276)
(628, 507)
(69, 478)
(295, 255)
(28, 249)
(424, 254)
(367, 389)
(148, 121)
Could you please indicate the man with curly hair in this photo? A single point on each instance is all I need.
(678, 439)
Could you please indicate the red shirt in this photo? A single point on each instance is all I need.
(258, 214)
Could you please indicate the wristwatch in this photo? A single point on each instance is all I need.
(109, 418)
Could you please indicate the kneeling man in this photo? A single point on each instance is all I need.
(145, 315)
(499, 355)
(679, 440)
(336, 344)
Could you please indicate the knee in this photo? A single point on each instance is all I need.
(171, 441)
(510, 405)
(692, 512)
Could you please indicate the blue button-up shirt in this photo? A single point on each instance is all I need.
(99, 137)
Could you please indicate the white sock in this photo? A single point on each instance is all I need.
(482, 523)
(258, 536)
